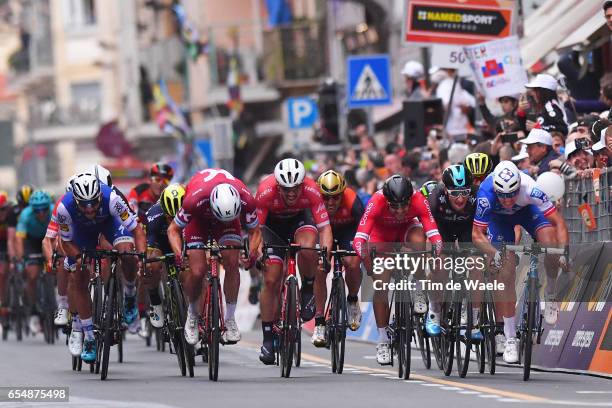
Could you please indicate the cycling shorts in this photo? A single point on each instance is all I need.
(198, 231)
(279, 231)
(501, 227)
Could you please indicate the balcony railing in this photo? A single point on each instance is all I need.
(48, 114)
(295, 52)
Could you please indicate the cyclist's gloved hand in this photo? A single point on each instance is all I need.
(498, 259)
(179, 261)
(49, 265)
(19, 265)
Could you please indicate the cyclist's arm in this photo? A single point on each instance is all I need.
(11, 242)
(481, 241)
(558, 222)
(47, 246)
(326, 239)
(175, 238)
(255, 241)
(120, 209)
(21, 234)
(364, 229)
(140, 238)
(427, 219)
(19, 246)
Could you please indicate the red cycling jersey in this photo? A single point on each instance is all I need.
(378, 224)
(141, 199)
(53, 227)
(269, 201)
(196, 204)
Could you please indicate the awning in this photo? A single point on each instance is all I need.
(547, 30)
(587, 30)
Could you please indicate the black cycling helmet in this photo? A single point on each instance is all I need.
(397, 189)
(456, 177)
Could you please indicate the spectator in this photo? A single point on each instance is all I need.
(508, 104)
(462, 105)
(413, 71)
(539, 147)
(393, 164)
(607, 7)
(540, 104)
(606, 89)
(522, 160)
(600, 154)
(580, 158)
(506, 152)
(558, 143)
(410, 164)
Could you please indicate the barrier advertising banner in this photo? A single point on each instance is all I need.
(497, 67)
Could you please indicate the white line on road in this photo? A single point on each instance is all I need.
(450, 388)
(593, 392)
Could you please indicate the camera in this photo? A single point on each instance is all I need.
(509, 137)
(582, 143)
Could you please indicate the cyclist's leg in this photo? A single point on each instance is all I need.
(4, 270)
(230, 235)
(415, 238)
(314, 285)
(151, 284)
(32, 271)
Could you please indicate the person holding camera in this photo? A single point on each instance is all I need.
(539, 148)
(541, 106)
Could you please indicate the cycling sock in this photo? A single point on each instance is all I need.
(88, 327)
(154, 297)
(434, 307)
(383, 337)
(62, 302)
(509, 327)
(193, 308)
(130, 288)
(320, 321)
(475, 314)
(76, 323)
(230, 308)
(268, 334)
(352, 298)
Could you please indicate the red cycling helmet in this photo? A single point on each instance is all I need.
(162, 170)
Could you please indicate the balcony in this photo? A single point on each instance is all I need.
(50, 122)
(295, 54)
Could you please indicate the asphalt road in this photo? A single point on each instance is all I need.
(150, 379)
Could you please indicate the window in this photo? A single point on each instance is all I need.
(79, 13)
(86, 100)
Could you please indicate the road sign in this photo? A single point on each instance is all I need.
(302, 112)
(369, 81)
(462, 22)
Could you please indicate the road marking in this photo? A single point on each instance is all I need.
(508, 400)
(450, 388)
(593, 392)
(431, 385)
(468, 392)
(488, 396)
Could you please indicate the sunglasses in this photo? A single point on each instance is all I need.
(40, 210)
(337, 197)
(287, 190)
(464, 192)
(88, 204)
(399, 206)
(507, 195)
(160, 180)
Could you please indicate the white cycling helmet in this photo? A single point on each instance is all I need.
(86, 187)
(225, 202)
(289, 173)
(103, 175)
(69, 183)
(506, 178)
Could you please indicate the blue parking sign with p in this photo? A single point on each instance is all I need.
(302, 112)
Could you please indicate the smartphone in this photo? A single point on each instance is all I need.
(509, 137)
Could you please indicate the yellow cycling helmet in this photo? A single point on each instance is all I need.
(23, 195)
(171, 199)
(479, 164)
(331, 183)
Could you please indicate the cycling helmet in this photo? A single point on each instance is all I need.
(456, 177)
(40, 200)
(225, 202)
(86, 188)
(331, 183)
(162, 170)
(428, 187)
(4, 201)
(69, 183)
(506, 178)
(289, 173)
(479, 164)
(397, 189)
(23, 195)
(103, 175)
(171, 199)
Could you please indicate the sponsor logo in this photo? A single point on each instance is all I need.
(366, 213)
(553, 338)
(506, 175)
(483, 205)
(119, 207)
(61, 219)
(151, 218)
(583, 338)
(539, 194)
(64, 227)
(124, 215)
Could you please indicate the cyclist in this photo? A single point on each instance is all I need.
(5, 207)
(480, 165)
(394, 214)
(452, 204)
(506, 198)
(428, 187)
(345, 211)
(90, 210)
(31, 229)
(141, 198)
(216, 204)
(290, 207)
(23, 197)
(50, 244)
(158, 218)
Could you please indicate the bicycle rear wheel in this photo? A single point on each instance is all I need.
(447, 338)
(403, 333)
(109, 324)
(297, 349)
(488, 332)
(290, 327)
(527, 333)
(423, 341)
(174, 324)
(214, 335)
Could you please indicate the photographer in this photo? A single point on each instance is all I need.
(579, 156)
(540, 105)
(539, 148)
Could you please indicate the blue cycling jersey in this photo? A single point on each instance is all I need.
(29, 226)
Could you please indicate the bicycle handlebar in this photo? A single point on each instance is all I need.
(341, 253)
(162, 258)
(535, 249)
(113, 253)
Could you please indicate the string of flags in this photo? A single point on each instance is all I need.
(195, 45)
(168, 115)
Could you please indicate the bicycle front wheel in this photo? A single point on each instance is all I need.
(447, 338)
(527, 333)
(463, 342)
(290, 327)
(214, 335)
(403, 333)
(109, 325)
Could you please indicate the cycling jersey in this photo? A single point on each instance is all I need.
(529, 211)
(14, 212)
(157, 229)
(141, 198)
(270, 204)
(346, 219)
(197, 218)
(453, 226)
(29, 227)
(114, 220)
(379, 224)
(53, 227)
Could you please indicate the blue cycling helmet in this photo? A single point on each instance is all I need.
(40, 200)
(456, 177)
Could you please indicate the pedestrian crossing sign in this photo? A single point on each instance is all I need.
(369, 81)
